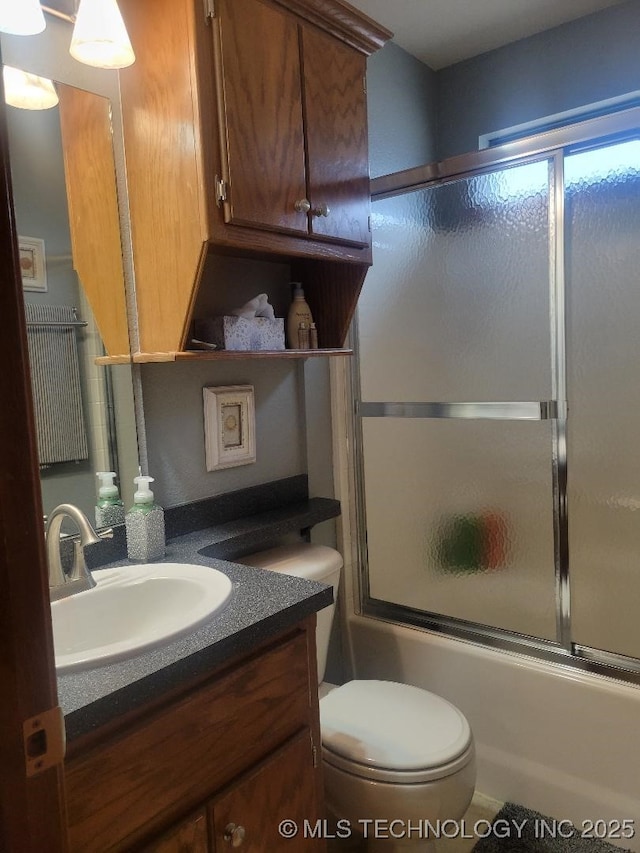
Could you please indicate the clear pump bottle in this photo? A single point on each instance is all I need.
(145, 524)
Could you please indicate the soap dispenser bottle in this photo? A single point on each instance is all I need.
(109, 508)
(299, 315)
(145, 524)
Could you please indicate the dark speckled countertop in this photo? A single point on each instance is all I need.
(262, 604)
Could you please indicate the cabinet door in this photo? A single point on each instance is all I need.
(261, 122)
(336, 134)
(190, 836)
(282, 788)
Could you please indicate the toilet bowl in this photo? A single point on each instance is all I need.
(398, 761)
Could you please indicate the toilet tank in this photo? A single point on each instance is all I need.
(314, 563)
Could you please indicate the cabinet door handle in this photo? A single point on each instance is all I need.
(303, 205)
(320, 210)
(234, 834)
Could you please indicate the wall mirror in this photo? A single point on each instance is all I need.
(66, 206)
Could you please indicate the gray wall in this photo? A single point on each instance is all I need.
(40, 197)
(582, 62)
(174, 418)
(401, 101)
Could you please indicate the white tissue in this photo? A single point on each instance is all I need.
(257, 307)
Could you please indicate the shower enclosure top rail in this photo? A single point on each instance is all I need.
(532, 147)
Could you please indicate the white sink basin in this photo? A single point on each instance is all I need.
(133, 608)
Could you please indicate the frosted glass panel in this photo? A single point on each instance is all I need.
(603, 290)
(456, 305)
(459, 519)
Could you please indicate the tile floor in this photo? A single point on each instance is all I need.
(481, 809)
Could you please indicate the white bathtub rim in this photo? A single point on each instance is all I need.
(566, 671)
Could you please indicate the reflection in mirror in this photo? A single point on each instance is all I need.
(74, 295)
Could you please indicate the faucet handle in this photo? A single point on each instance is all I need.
(107, 533)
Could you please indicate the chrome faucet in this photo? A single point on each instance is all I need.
(79, 578)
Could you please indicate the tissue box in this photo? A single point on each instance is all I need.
(237, 333)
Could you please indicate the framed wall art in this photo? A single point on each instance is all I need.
(229, 426)
(32, 263)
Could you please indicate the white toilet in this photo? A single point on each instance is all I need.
(392, 753)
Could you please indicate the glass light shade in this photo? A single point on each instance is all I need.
(21, 17)
(28, 91)
(100, 37)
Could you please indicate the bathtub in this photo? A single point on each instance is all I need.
(560, 741)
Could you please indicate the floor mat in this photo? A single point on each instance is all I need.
(518, 830)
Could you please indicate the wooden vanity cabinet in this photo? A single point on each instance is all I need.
(225, 760)
(245, 134)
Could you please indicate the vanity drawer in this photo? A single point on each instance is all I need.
(162, 767)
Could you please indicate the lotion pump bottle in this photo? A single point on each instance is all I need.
(109, 508)
(299, 312)
(145, 524)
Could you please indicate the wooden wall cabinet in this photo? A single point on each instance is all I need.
(226, 759)
(245, 134)
(294, 147)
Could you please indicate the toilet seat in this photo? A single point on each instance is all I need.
(386, 731)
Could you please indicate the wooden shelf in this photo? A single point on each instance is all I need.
(113, 359)
(218, 355)
(285, 353)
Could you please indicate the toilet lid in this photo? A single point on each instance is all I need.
(392, 726)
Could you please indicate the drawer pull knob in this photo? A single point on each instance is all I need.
(303, 205)
(320, 210)
(234, 834)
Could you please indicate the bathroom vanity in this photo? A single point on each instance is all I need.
(209, 742)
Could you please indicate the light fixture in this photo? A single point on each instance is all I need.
(28, 91)
(21, 17)
(100, 37)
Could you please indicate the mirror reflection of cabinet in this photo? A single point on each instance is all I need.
(85, 124)
(76, 216)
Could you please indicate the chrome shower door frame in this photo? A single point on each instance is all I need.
(550, 146)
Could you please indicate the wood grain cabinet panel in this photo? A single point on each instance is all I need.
(90, 177)
(169, 762)
(189, 836)
(261, 116)
(280, 789)
(336, 138)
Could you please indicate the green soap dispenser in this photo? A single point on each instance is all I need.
(145, 524)
(109, 508)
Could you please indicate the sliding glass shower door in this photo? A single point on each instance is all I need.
(498, 400)
(603, 375)
(458, 497)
